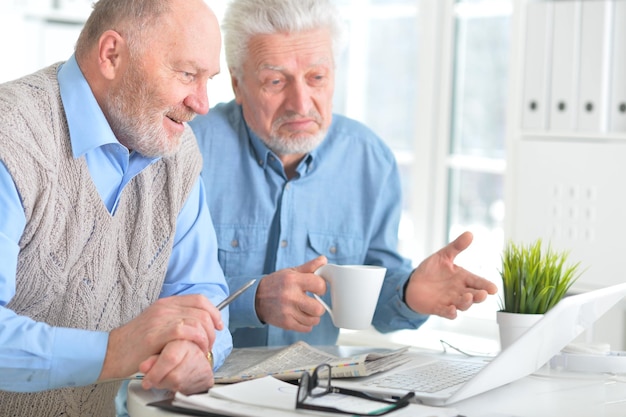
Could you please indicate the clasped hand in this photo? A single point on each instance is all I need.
(168, 342)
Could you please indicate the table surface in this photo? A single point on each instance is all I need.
(546, 393)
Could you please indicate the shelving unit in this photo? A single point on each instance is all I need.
(566, 173)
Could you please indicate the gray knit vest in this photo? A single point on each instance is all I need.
(78, 266)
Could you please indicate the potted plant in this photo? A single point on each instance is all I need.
(534, 280)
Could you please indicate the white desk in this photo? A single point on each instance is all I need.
(547, 393)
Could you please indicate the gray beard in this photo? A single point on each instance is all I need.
(294, 146)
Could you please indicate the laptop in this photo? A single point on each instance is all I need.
(559, 326)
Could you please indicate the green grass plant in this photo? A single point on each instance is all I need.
(534, 280)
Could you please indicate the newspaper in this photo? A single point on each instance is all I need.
(290, 362)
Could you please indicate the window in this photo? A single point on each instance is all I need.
(476, 161)
(376, 81)
(430, 77)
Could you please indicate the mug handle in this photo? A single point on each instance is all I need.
(325, 306)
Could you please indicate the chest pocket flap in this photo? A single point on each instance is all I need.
(232, 239)
(337, 248)
(241, 250)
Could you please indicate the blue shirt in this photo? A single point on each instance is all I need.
(344, 203)
(35, 356)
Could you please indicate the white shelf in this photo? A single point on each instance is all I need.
(572, 135)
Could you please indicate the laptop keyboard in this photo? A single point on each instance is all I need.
(431, 377)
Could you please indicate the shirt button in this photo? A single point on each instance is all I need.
(234, 243)
(287, 186)
(333, 250)
(283, 243)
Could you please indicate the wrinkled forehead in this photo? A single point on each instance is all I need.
(308, 48)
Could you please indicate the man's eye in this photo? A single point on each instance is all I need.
(275, 84)
(188, 76)
(318, 79)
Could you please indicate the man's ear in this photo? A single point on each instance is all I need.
(112, 50)
(234, 82)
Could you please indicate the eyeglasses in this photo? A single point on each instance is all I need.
(318, 384)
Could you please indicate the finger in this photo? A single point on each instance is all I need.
(310, 307)
(478, 296)
(199, 306)
(315, 285)
(205, 326)
(311, 282)
(157, 369)
(475, 282)
(180, 367)
(448, 312)
(216, 318)
(458, 245)
(194, 301)
(144, 368)
(202, 317)
(188, 327)
(313, 265)
(303, 324)
(194, 306)
(465, 302)
(146, 365)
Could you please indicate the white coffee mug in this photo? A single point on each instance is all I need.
(354, 291)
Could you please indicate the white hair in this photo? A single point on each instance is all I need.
(244, 19)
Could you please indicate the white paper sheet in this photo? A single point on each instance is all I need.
(271, 397)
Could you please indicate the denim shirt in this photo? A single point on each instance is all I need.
(344, 203)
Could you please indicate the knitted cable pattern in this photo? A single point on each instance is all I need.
(79, 266)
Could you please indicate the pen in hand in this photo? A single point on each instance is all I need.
(236, 294)
(220, 306)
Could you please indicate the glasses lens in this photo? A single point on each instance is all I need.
(303, 387)
(320, 381)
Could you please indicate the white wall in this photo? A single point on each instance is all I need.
(564, 174)
(38, 33)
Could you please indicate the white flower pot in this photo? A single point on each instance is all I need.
(513, 325)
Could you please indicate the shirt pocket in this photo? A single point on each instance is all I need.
(339, 249)
(241, 250)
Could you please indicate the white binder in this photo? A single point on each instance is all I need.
(595, 53)
(537, 63)
(617, 106)
(565, 64)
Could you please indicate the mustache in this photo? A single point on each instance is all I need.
(181, 115)
(293, 116)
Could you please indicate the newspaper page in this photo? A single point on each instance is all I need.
(290, 362)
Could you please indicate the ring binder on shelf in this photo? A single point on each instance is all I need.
(594, 77)
(565, 65)
(617, 106)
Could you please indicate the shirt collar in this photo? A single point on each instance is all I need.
(88, 127)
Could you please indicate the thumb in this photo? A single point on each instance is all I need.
(313, 265)
(458, 245)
